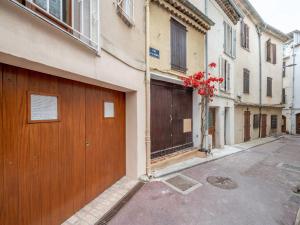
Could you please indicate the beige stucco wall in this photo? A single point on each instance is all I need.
(254, 133)
(160, 39)
(272, 70)
(29, 42)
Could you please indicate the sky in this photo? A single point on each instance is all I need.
(281, 14)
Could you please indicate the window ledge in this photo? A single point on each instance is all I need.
(95, 49)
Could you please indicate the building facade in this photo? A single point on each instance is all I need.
(177, 32)
(258, 77)
(222, 51)
(291, 81)
(72, 104)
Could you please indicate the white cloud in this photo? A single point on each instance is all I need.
(282, 14)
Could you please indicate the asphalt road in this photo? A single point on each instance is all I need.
(263, 195)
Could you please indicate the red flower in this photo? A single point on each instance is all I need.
(221, 79)
(212, 65)
(201, 92)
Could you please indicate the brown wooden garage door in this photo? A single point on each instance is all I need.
(49, 170)
(171, 118)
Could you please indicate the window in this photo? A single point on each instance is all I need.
(283, 96)
(109, 110)
(125, 9)
(269, 86)
(178, 46)
(229, 40)
(273, 121)
(42, 107)
(78, 17)
(256, 121)
(283, 69)
(246, 81)
(271, 52)
(225, 72)
(244, 35)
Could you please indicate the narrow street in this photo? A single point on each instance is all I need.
(265, 176)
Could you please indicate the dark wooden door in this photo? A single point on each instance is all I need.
(52, 169)
(283, 125)
(171, 118)
(212, 125)
(182, 113)
(161, 118)
(263, 125)
(247, 136)
(298, 123)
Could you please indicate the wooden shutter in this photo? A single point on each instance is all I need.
(222, 72)
(274, 53)
(225, 37)
(234, 44)
(247, 37)
(283, 69)
(268, 51)
(228, 69)
(242, 34)
(269, 86)
(178, 46)
(283, 96)
(246, 81)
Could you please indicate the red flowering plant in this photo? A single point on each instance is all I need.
(206, 88)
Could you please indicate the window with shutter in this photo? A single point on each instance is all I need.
(269, 86)
(178, 46)
(225, 71)
(246, 81)
(274, 53)
(244, 35)
(273, 121)
(283, 96)
(256, 121)
(229, 40)
(269, 51)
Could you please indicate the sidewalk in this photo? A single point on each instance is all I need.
(216, 154)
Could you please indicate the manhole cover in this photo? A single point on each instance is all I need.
(181, 183)
(222, 182)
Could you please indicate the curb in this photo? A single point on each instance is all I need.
(153, 178)
(297, 222)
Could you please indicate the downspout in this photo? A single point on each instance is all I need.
(260, 78)
(147, 90)
(206, 77)
(293, 94)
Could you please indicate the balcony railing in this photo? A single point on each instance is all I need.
(80, 18)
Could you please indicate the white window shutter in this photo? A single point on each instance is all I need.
(234, 44)
(228, 77)
(225, 35)
(223, 64)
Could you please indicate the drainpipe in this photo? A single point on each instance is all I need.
(147, 90)
(293, 94)
(258, 30)
(206, 76)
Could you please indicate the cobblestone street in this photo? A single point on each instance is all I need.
(265, 176)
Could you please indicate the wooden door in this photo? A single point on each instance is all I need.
(161, 118)
(283, 125)
(298, 123)
(182, 113)
(212, 125)
(171, 109)
(48, 172)
(263, 125)
(247, 136)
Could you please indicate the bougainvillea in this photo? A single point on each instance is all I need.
(206, 88)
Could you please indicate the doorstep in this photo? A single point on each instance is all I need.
(97, 208)
(158, 172)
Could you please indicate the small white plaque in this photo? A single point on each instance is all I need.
(43, 107)
(109, 110)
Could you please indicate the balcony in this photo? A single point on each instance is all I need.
(79, 18)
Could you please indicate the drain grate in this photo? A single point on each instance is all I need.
(289, 167)
(116, 208)
(222, 182)
(182, 183)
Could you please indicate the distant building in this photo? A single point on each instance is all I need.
(291, 84)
